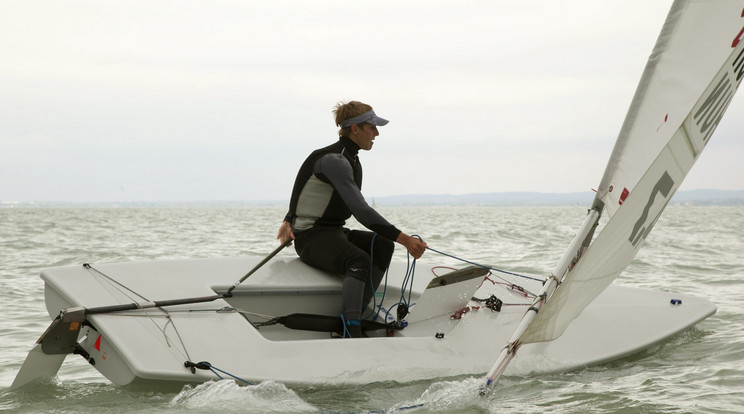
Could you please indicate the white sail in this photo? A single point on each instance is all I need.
(691, 77)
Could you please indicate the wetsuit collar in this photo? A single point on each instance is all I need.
(350, 147)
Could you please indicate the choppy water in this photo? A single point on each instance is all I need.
(698, 250)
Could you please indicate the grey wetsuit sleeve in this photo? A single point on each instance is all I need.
(336, 169)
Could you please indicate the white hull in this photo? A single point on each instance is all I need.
(152, 345)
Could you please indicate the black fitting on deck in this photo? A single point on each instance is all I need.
(192, 366)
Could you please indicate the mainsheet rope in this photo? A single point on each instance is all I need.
(409, 276)
(407, 280)
(486, 267)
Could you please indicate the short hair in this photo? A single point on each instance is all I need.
(345, 110)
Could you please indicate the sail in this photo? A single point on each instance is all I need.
(689, 81)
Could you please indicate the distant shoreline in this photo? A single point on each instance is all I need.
(506, 199)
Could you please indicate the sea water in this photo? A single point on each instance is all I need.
(693, 249)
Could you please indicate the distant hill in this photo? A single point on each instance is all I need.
(692, 197)
(486, 199)
(709, 197)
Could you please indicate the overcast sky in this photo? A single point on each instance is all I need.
(178, 100)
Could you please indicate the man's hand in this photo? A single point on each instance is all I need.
(285, 232)
(414, 245)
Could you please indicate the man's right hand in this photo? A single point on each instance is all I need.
(415, 246)
(285, 232)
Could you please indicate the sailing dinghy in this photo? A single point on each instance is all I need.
(187, 321)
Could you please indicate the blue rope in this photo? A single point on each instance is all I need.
(214, 369)
(410, 273)
(371, 283)
(347, 334)
(487, 267)
(409, 277)
(382, 299)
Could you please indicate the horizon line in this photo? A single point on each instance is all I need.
(491, 198)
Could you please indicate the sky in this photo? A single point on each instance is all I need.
(220, 100)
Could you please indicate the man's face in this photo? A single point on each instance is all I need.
(363, 135)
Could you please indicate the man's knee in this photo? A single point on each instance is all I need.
(385, 246)
(358, 273)
(383, 252)
(357, 265)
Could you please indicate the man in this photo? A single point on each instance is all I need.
(327, 191)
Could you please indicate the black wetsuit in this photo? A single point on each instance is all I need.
(327, 191)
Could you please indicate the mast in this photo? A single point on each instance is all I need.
(571, 256)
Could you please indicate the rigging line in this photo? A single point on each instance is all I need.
(270, 320)
(487, 267)
(206, 365)
(115, 282)
(511, 286)
(178, 334)
(232, 310)
(212, 367)
(166, 313)
(139, 313)
(169, 320)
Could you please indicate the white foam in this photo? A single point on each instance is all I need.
(228, 396)
(453, 395)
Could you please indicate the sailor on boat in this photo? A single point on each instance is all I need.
(326, 192)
